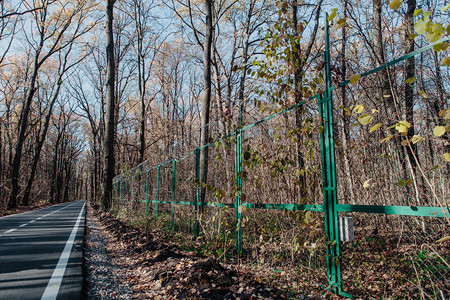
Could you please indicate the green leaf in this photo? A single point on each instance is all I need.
(355, 78)
(402, 127)
(446, 61)
(413, 36)
(417, 12)
(439, 131)
(359, 108)
(446, 157)
(395, 4)
(435, 32)
(416, 139)
(423, 94)
(446, 7)
(375, 127)
(365, 119)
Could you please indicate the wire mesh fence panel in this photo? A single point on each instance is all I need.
(185, 194)
(402, 258)
(281, 163)
(216, 218)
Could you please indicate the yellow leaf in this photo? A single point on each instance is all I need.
(359, 108)
(386, 139)
(417, 12)
(365, 119)
(416, 139)
(332, 15)
(395, 4)
(404, 143)
(355, 79)
(435, 32)
(366, 183)
(439, 47)
(423, 94)
(446, 157)
(410, 80)
(375, 110)
(446, 61)
(375, 127)
(445, 113)
(340, 23)
(402, 127)
(439, 131)
(446, 7)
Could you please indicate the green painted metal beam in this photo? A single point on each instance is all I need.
(418, 211)
(303, 207)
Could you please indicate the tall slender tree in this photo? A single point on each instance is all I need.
(108, 155)
(206, 96)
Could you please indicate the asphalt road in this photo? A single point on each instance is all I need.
(41, 253)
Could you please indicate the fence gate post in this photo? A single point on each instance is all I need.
(174, 164)
(329, 177)
(238, 186)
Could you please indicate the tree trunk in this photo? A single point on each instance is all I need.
(37, 153)
(108, 156)
(14, 176)
(206, 98)
(345, 128)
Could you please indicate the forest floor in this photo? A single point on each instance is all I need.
(23, 209)
(123, 262)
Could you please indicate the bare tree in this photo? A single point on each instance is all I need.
(108, 157)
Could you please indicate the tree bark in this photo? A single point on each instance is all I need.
(37, 153)
(410, 65)
(345, 127)
(206, 98)
(108, 156)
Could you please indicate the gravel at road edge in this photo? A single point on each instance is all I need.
(104, 278)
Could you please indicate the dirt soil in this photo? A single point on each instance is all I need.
(156, 268)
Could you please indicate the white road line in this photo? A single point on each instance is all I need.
(52, 289)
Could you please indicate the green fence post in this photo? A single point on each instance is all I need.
(120, 193)
(174, 164)
(238, 186)
(329, 177)
(146, 194)
(131, 189)
(157, 191)
(197, 191)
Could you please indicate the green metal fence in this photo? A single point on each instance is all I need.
(173, 187)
